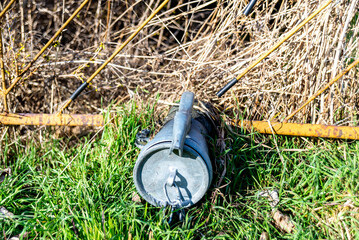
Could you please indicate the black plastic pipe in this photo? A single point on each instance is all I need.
(249, 7)
(227, 87)
(78, 91)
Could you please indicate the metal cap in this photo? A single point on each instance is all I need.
(163, 178)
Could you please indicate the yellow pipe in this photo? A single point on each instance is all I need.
(67, 103)
(18, 78)
(263, 56)
(1, 58)
(323, 89)
(6, 8)
(51, 119)
(290, 34)
(2, 69)
(304, 130)
(289, 129)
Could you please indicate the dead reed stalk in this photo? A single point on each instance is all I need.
(192, 45)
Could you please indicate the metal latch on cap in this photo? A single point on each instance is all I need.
(176, 204)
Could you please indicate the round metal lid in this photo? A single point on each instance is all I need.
(164, 179)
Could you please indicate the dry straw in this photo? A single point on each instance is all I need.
(191, 45)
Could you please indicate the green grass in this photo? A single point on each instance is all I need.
(91, 198)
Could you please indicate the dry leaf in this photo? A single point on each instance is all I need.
(136, 198)
(150, 236)
(283, 221)
(272, 196)
(349, 204)
(4, 213)
(17, 237)
(264, 236)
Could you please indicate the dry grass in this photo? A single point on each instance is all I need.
(192, 45)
